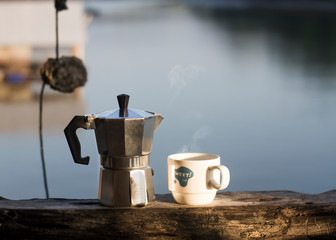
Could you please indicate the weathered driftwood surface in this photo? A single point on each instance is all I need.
(232, 215)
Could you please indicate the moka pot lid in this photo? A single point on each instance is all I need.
(124, 112)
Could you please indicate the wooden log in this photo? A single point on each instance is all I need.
(232, 215)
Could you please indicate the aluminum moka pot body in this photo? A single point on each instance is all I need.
(125, 137)
(124, 140)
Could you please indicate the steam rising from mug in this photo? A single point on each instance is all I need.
(64, 74)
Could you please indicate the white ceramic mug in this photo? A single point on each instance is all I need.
(194, 178)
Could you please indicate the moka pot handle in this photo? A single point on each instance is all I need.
(72, 138)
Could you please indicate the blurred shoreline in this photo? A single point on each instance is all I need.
(268, 5)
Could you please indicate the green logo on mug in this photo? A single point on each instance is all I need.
(183, 174)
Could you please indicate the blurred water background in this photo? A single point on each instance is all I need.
(257, 88)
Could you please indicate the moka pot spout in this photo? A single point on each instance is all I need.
(158, 120)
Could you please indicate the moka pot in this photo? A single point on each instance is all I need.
(124, 139)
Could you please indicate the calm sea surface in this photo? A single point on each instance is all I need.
(257, 89)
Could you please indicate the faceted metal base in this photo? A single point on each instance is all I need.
(126, 187)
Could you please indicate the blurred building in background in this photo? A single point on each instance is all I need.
(28, 38)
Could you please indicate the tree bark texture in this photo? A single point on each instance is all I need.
(232, 215)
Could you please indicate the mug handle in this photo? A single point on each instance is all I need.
(225, 174)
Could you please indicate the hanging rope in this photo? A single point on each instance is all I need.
(41, 144)
(57, 48)
(59, 6)
(63, 74)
